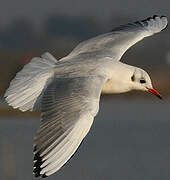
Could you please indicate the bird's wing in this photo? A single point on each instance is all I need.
(68, 108)
(115, 43)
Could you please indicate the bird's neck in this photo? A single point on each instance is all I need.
(120, 80)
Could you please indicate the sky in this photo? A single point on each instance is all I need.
(101, 10)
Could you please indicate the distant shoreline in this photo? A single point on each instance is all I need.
(11, 112)
(6, 110)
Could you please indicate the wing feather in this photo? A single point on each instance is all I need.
(115, 43)
(68, 108)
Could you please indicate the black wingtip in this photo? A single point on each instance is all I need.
(37, 165)
(40, 175)
(149, 18)
(37, 174)
(155, 16)
(36, 169)
(44, 176)
(163, 16)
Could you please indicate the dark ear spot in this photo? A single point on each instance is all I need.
(133, 78)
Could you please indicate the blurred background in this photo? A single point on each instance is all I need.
(130, 136)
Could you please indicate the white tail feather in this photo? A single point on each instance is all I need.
(26, 88)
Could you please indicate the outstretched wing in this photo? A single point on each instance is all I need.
(114, 44)
(68, 108)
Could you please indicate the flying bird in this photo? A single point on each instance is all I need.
(67, 91)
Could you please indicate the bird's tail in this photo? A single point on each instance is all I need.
(26, 88)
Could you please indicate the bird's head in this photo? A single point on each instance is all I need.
(141, 81)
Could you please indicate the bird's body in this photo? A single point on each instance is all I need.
(68, 91)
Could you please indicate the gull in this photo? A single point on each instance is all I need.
(67, 91)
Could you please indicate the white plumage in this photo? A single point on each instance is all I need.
(28, 84)
(68, 91)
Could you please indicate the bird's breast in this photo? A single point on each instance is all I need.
(108, 88)
(113, 87)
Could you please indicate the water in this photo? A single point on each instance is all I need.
(129, 140)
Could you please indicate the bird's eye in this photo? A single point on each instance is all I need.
(142, 81)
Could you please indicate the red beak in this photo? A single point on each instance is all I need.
(155, 92)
